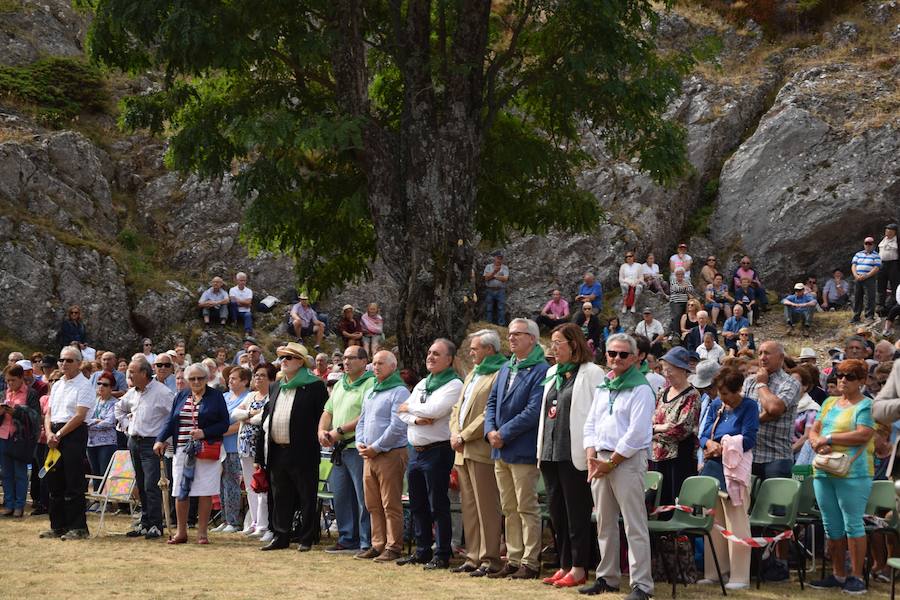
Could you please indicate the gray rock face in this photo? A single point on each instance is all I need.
(813, 180)
(37, 29)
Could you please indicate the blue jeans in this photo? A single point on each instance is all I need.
(346, 481)
(491, 296)
(15, 479)
(792, 315)
(245, 318)
(146, 476)
(429, 502)
(776, 468)
(99, 457)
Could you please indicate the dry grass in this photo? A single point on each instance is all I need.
(232, 567)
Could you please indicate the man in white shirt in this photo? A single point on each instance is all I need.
(709, 349)
(241, 303)
(214, 301)
(71, 398)
(617, 434)
(427, 416)
(651, 329)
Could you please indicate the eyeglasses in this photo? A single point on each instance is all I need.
(148, 344)
(744, 335)
(517, 333)
(103, 384)
(66, 360)
(710, 260)
(629, 256)
(745, 263)
(260, 375)
(163, 365)
(847, 376)
(613, 354)
(284, 358)
(868, 243)
(201, 378)
(253, 351)
(350, 358)
(557, 344)
(587, 309)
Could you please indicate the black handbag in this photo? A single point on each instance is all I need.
(21, 445)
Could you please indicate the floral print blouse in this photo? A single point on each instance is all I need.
(684, 412)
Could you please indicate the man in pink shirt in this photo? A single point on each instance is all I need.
(555, 312)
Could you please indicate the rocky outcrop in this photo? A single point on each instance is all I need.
(30, 30)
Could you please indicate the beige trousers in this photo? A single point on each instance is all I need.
(383, 489)
(480, 513)
(521, 512)
(733, 558)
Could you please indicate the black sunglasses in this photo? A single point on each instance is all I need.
(847, 376)
(103, 384)
(613, 354)
(162, 365)
(66, 360)
(201, 378)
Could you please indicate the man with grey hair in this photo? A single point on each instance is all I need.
(474, 466)
(214, 301)
(241, 303)
(616, 444)
(12, 359)
(146, 407)
(511, 423)
(591, 291)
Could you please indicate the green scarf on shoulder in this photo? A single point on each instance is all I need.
(491, 364)
(348, 387)
(303, 377)
(394, 380)
(560, 375)
(534, 357)
(433, 382)
(631, 378)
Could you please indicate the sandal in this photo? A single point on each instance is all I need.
(203, 541)
(177, 540)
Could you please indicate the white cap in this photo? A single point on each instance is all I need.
(26, 365)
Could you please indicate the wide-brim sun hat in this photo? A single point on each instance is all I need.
(678, 357)
(706, 372)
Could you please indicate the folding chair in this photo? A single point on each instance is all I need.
(774, 512)
(323, 495)
(881, 504)
(116, 485)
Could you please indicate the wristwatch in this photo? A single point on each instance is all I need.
(340, 431)
(459, 439)
(828, 439)
(611, 464)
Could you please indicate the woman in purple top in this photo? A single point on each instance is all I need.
(101, 422)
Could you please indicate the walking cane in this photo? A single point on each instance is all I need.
(164, 488)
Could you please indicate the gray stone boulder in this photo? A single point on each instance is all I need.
(31, 29)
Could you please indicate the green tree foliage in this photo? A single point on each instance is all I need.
(407, 129)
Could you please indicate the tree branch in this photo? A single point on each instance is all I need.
(503, 58)
(299, 73)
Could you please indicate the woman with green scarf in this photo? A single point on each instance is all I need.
(568, 393)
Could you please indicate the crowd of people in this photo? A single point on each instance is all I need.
(588, 415)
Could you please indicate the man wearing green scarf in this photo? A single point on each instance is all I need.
(477, 483)
(511, 421)
(290, 446)
(427, 416)
(617, 434)
(337, 430)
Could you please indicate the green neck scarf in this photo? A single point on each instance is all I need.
(490, 364)
(631, 378)
(433, 382)
(359, 381)
(390, 383)
(303, 377)
(560, 375)
(644, 368)
(534, 357)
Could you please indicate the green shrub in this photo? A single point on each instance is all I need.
(56, 89)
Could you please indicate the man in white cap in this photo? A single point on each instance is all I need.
(28, 375)
(799, 306)
(807, 356)
(306, 322)
(865, 266)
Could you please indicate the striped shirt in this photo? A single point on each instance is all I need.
(186, 423)
(865, 261)
(678, 292)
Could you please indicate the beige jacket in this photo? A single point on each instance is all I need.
(472, 431)
(886, 407)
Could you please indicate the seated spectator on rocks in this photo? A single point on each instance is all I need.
(718, 300)
(744, 344)
(681, 260)
(372, 329)
(651, 329)
(214, 301)
(708, 272)
(306, 322)
(555, 312)
(612, 326)
(590, 326)
(630, 281)
(322, 369)
(241, 303)
(349, 326)
(709, 349)
(694, 337)
(733, 325)
(799, 306)
(745, 296)
(653, 279)
(122, 367)
(811, 287)
(689, 318)
(147, 351)
(836, 293)
(745, 269)
(72, 328)
(591, 291)
(680, 291)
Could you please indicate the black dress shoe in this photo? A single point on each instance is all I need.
(436, 563)
(276, 544)
(464, 568)
(304, 548)
(598, 587)
(482, 571)
(413, 559)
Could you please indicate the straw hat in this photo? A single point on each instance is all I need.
(296, 350)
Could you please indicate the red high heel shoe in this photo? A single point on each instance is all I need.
(569, 581)
(554, 578)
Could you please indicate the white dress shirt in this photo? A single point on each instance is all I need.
(627, 426)
(146, 411)
(467, 398)
(436, 405)
(67, 395)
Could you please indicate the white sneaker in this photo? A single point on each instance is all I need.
(219, 529)
(268, 537)
(737, 586)
(259, 532)
(230, 529)
(632, 309)
(249, 530)
(624, 309)
(708, 582)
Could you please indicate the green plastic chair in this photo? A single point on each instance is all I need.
(699, 492)
(882, 500)
(653, 482)
(323, 494)
(774, 512)
(808, 516)
(894, 564)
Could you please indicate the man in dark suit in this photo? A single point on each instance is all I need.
(694, 337)
(511, 424)
(289, 446)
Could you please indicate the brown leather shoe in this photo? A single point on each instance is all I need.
(525, 573)
(18, 513)
(506, 571)
(367, 554)
(387, 556)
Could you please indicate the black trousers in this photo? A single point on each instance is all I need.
(66, 482)
(570, 504)
(293, 485)
(888, 276)
(39, 493)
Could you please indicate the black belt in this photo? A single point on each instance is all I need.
(430, 446)
(143, 437)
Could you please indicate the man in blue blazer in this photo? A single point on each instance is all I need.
(511, 422)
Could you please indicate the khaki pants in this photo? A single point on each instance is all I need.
(383, 488)
(480, 513)
(522, 513)
(733, 558)
(622, 491)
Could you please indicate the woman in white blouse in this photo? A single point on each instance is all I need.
(630, 276)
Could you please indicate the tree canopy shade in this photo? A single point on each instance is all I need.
(406, 129)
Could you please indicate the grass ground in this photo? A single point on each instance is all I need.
(113, 566)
